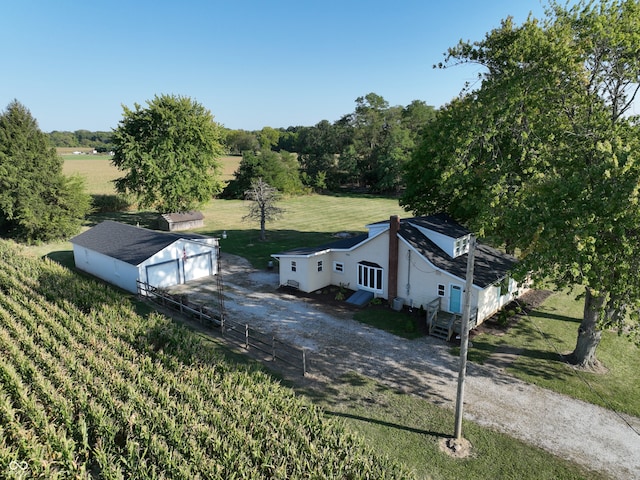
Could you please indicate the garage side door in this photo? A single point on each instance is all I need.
(197, 266)
(164, 274)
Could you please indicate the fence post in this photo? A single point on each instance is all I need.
(222, 325)
(304, 362)
(246, 336)
(273, 340)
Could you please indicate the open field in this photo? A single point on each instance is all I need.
(64, 151)
(100, 173)
(95, 169)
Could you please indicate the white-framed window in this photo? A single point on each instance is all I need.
(441, 290)
(294, 266)
(461, 246)
(338, 267)
(319, 265)
(370, 276)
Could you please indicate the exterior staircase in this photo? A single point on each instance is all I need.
(445, 325)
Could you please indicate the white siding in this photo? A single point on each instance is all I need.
(375, 250)
(109, 269)
(418, 280)
(165, 268)
(445, 243)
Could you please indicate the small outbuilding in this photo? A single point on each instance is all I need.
(174, 222)
(123, 255)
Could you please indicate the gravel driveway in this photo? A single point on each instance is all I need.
(575, 430)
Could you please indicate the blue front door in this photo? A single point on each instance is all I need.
(455, 299)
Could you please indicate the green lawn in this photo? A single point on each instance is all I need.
(409, 429)
(550, 331)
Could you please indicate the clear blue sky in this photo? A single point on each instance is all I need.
(253, 63)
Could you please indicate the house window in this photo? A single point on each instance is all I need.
(293, 266)
(441, 290)
(461, 246)
(338, 267)
(319, 265)
(504, 286)
(370, 276)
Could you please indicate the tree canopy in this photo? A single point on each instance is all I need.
(278, 169)
(169, 151)
(37, 202)
(543, 155)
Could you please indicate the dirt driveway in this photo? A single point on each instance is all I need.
(575, 430)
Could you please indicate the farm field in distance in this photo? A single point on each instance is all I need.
(100, 173)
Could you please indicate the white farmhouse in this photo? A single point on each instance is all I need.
(419, 261)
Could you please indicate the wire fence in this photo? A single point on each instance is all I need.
(266, 347)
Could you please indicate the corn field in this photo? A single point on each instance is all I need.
(89, 388)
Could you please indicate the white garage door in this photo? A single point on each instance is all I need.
(197, 266)
(164, 274)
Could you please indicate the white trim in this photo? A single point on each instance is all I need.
(378, 278)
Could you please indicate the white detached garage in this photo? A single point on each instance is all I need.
(122, 255)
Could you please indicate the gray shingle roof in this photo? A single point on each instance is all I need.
(342, 244)
(124, 242)
(441, 223)
(490, 265)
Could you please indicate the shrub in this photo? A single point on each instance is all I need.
(110, 203)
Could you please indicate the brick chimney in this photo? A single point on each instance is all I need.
(394, 226)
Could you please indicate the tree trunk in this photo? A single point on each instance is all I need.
(589, 336)
(263, 224)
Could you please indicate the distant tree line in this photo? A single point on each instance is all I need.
(100, 141)
(365, 150)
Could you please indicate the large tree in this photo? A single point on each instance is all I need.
(169, 151)
(37, 202)
(543, 155)
(278, 169)
(317, 153)
(381, 141)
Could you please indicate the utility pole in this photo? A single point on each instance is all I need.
(464, 337)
